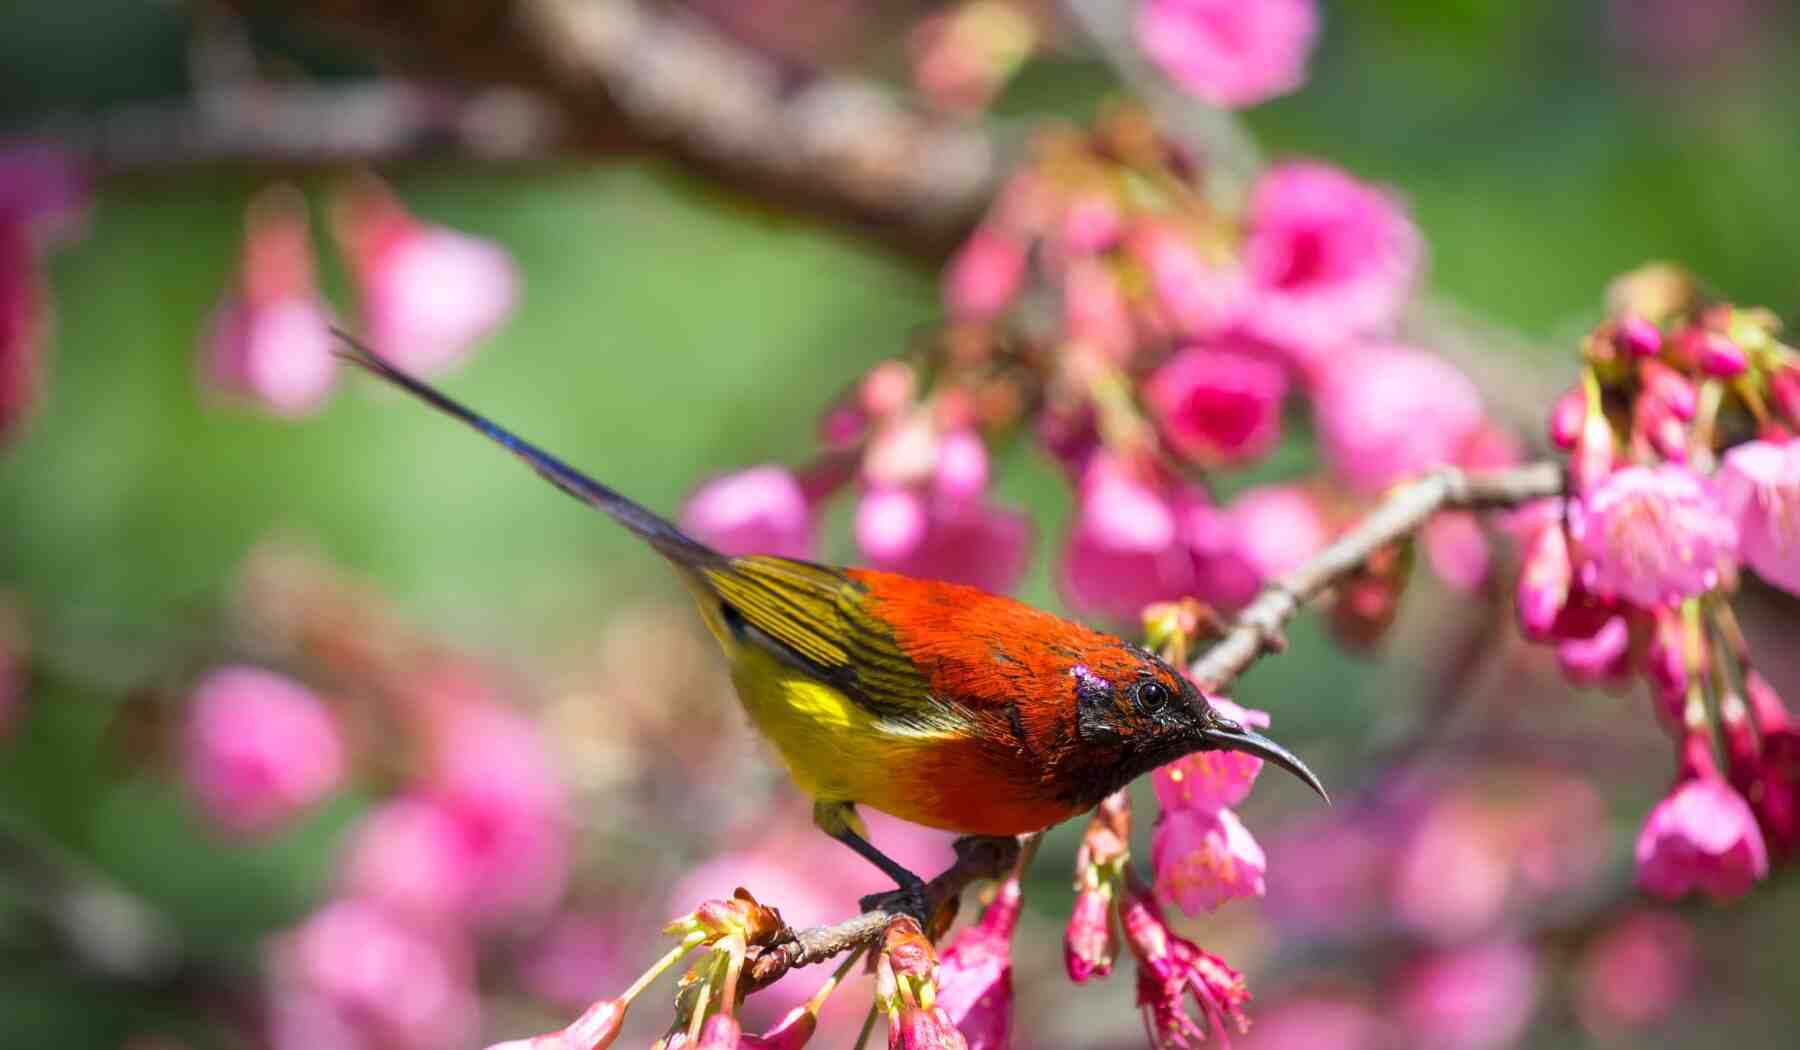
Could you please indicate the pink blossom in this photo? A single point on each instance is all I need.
(1171, 970)
(1095, 313)
(761, 510)
(984, 278)
(1567, 415)
(258, 748)
(1702, 836)
(22, 321)
(1091, 940)
(1545, 577)
(1279, 527)
(1457, 550)
(1637, 973)
(576, 953)
(1637, 337)
(975, 973)
(1475, 998)
(1386, 413)
(1091, 223)
(1204, 858)
(1317, 1023)
(1212, 780)
(1651, 535)
(901, 530)
(1224, 576)
(409, 854)
(1230, 54)
(596, 1029)
(1218, 407)
(1716, 354)
(1329, 875)
(1603, 655)
(720, 1032)
(1455, 874)
(355, 977)
(1328, 259)
(427, 293)
(1759, 486)
(270, 339)
(962, 470)
(1198, 299)
(1126, 548)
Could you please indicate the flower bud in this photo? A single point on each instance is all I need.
(1637, 337)
(1716, 354)
(1091, 941)
(984, 278)
(1566, 418)
(1544, 580)
(721, 1032)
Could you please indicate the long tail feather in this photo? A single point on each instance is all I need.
(661, 533)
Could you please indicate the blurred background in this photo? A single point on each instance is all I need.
(686, 307)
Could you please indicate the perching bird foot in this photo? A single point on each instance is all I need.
(907, 900)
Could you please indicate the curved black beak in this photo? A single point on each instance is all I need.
(1225, 735)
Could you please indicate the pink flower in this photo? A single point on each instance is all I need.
(1605, 654)
(1702, 836)
(975, 973)
(258, 748)
(984, 278)
(1545, 577)
(575, 954)
(1171, 970)
(270, 339)
(1328, 259)
(1278, 528)
(1091, 940)
(1090, 223)
(428, 294)
(1637, 973)
(721, 1032)
(354, 976)
(1126, 549)
(1455, 874)
(1477, 998)
(1226, 53)
(1651, 535)
(1457, 550)
(761, 510)
(1224, 576)
(1199, 300)
(1317, 1023)
(1386, 413)
(1212, 780)
(1218, 407)
(596, 1029)
(1204, 858)
(22, 321)
(900, 530)
(1759, 486)
(1095, 313)
(410, 855)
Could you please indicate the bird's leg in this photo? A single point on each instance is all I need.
(839, 820)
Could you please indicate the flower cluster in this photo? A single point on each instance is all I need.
(1684, 471)
(427, 295)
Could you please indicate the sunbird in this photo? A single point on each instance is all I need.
(935, 702)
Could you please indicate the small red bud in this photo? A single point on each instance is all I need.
(1637, 337)
(1566, 417)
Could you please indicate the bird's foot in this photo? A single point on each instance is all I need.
(911, 900)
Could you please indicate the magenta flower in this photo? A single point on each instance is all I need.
(1387, 413)
(1457, 550)
(1328, 259)
(1475, 998)
(1759, 486)
(1278, 528)
(410, 855)
(270, 339)
(1126, 550)
(1637, 973)
(1198, 299)
(355, 976)
(984, 278)
(1317, 1023)
(1651, 535)
(428, 294)
(22, 323)
(1604, 655)
(1091, 940)
(1204, 858)
(258, 748)
(1095, 313)
(596, 1029)
(1224, 576)
(1212, 780)
(1454, 875)
(901, 530)
(1218, 407)
(1091, 223)
(761, 510)
(1170, 971)
(574, 954)
(1230, 54)
(1545, 577)
(1702, 836)
(975, 973)
(720, 1032)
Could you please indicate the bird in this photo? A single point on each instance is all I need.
(934, 702)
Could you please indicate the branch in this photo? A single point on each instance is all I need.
(976, 859)
(1259, 628)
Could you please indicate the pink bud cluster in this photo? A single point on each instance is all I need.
(1685, 470)
(427, 295)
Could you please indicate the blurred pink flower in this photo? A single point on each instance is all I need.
(1386, 413)
(1228, 53)
(1199, 300)
(1545, 576)
(1329, 875)
(1095, 313)
(1316, 1022)
(1598, 657)
(1759, 486)
(1278, 528)
(1455, 873)
(596, 1029)
(1212, 780)
(270, 339)
(1204, 858)
(45, 187)
(22, 321)
(975, 973)
(1172, 969)
(576, 954)
(1090, 223)
(1224, 575)
(1651, 535)
(981, 545)
(1637, 973)
(1126, 548)
(984, 278)
(1702, 836)
(1218, 407)
(491, 772)
(761, 510)
(355, 977)
(1328, 259)
(258, 748)
(1457, 550)
(1476, 998)
(427, 293)
(409, 854)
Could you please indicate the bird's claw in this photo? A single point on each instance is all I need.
(907, 900)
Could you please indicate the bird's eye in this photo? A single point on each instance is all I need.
(1152, 696)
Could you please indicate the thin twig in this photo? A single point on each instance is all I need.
(1259, 628)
